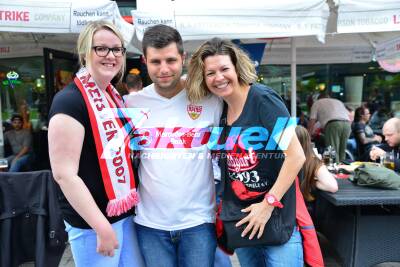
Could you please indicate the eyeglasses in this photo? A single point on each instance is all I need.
(102, 51)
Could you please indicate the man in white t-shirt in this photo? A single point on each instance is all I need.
(176, 213)
(334, 119)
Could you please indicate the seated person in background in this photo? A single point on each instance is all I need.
(316, 175)
(363, 134)
(20, 141)
(351, 142)
(378, 118)
(391, 131)
(303, 120)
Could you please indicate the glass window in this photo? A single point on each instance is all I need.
(22, 90)
(354, 84)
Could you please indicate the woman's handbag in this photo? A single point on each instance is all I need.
(272, 235)
(229, 236)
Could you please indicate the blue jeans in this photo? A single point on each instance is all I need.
(17, 165)
(84, 241)
(288, 254)
(222, 259)
(189, 247)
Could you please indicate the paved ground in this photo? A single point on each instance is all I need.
(330, 258)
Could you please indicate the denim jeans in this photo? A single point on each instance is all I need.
(84, 241)
(222, 259)
(288, 254)
(189, 247)
(17, 165)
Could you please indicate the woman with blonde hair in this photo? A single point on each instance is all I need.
(88, 158)
(315, 173)
(258, 173)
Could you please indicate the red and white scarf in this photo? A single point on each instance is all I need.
(110, 139)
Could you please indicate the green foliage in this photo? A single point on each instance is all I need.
(384, 85)
(307, 87)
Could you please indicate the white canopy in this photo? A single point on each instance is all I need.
(234, 19)
(368, 16)
(388, 55)
(248, 20)
(338, 48)
(200, 20)
(389, 49)
(369, 20)
(28, 26)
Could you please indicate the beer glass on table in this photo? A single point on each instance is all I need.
(388, 160)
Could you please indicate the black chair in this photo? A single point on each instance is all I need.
(31, 226)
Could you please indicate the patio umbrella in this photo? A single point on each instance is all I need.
(388, 54)
(28, 26)
(356, 16)
(361, 25)
(203, 20)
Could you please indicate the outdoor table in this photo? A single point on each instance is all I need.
(361, 223)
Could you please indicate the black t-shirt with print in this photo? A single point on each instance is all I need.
(69, 101)
(359, 128)
(255, 166)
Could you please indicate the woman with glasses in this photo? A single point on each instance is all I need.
(88, 157)
(363, 133)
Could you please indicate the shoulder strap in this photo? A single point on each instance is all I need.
(222, 160)
(223, 120)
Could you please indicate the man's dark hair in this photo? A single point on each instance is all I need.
(17, 116)
(133, 81)
(324, 95)
(160, 36)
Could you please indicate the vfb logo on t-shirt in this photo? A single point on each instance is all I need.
(194, 111)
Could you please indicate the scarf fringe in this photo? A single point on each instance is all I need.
(116, 207)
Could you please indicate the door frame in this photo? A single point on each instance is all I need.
(49, 56)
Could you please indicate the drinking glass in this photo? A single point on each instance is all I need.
(388, 160)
